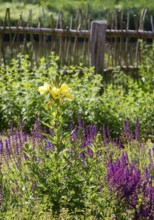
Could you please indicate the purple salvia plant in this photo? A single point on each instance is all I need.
(80, 122)
(49, 146)
(51, 132)
(24, 134)
(33, 138)
(89, 134)
(1, 146)
(9, 140)
(93, 131)
(119, 143)
(38, 128)
(124, 180)
(127, 131)
(7, 147)
(1, 196)
(146, 210)
(19, 134)
(89, 151)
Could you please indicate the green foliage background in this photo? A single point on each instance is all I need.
(98, 101)
(96, 9)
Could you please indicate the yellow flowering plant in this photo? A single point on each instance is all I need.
(44, 89)
(57, 95)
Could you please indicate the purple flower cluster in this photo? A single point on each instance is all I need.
(127, 130)
(86, 134)
(14, 142)
(123, 177)
(135, 190)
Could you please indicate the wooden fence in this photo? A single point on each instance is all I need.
(109, 45)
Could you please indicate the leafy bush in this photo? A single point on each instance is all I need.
(19, 90)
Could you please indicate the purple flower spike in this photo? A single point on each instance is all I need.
(127, 130)
(80, 122)
(119, 143)
(89, 151)
(6, 147)
(1, 146)
(24, 137)
(49, 146)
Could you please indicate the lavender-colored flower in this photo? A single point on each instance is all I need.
(51, 132)
(1, 146)
(119, 143)
(49, 146)
(80, 122)
(24, 137)
(89, 151)
(127, 131)
(7, 147)
(147, 207)
(9, 140)
(124, 179)
(1, 196)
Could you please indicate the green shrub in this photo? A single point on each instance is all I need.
(98, 102)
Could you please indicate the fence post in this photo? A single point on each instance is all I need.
(97, 42)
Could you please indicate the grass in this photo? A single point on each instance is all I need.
(17, 9)
(96, 9)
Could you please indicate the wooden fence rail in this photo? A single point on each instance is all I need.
(76, 33)
(110, 45)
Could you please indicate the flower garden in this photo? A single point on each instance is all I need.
(73, 146)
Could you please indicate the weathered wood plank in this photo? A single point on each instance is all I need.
(97, 39)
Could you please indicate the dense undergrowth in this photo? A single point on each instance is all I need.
(98, 101)
(78, 174)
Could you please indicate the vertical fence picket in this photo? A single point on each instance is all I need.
(152, 26)
(98, 34)
(126, 44)
(137, 43)
(115, 39)
(61, 26)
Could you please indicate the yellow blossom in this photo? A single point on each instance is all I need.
(65, 91)
(61, 93)
(55, 92)
(44, 89)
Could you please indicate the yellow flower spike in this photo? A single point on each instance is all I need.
(55, 92)
(44, 89)
(65, 92)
